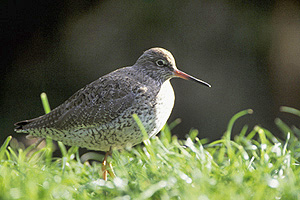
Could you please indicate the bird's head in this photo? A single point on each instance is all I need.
(160, 65)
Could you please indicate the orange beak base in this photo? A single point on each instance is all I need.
(185, 76)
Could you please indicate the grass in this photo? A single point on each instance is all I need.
(252, 165)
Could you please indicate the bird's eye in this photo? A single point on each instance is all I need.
(160, 63)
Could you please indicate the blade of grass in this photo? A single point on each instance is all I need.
(290, 110)
(283, 126)
(228, 132)
(232, 121)
(4, 146)
(45, 102)
(141, 126)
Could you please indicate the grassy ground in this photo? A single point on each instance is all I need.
(252, 165)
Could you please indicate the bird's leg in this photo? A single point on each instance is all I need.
(104, 167)
(111, 171)
(104, 164)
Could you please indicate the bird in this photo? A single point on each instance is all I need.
(100, 115)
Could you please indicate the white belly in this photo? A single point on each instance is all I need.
(165, 102)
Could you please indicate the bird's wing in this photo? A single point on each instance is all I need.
(99, 102)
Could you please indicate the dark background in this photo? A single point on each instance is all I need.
(249, 51)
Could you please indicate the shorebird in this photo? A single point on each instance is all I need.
(99, 116)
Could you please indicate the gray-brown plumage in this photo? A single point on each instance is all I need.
(99, 116)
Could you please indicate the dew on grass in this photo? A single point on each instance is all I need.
(185, 177)
(266, 157)
(146, 152)
(57, 179)
(98, 182)
(263, 146)
(273, 183)
(281, 173)
(46, 185)
(245, 156)
(270, 165)
(253, 147)
(120, 183)
(276, 149)
(109, 185)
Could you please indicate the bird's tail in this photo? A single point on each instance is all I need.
(22, 126)
(26, 126)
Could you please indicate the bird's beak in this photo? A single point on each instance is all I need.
(185, 76)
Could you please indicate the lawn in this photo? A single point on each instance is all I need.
(251, 165)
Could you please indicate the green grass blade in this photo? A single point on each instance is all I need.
(232, 121)
(290, 110)
(63, 149)
(4, 146)
(141, 126)
(283, 126)
(228, 132)
(45, 102)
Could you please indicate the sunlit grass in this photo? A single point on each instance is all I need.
(251, 165)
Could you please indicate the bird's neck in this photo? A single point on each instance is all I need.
(148, 77)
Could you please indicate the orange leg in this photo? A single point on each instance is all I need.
(111, 171)
(104, 167)
(104, 171)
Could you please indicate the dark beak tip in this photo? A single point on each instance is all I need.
(200, 81)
